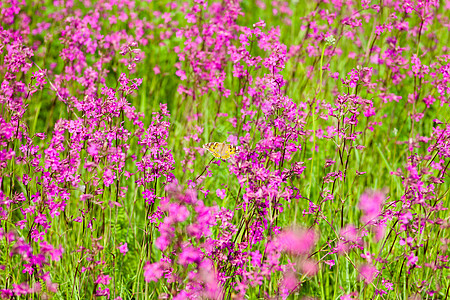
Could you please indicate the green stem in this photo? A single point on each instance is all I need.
(318, 90)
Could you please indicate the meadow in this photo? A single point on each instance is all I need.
(224, 149)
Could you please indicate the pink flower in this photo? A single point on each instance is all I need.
(290, 281)
(152, 272)
(309, 267)
(103, 279)
(298, 241)
(367, 273)
(371, 204)
(189, 255)
(181, 74)
(99, 292)
(221, 193)
(351, 296)
(28, 268)
(123, 248)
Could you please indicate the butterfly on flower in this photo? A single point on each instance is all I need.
(220, 150)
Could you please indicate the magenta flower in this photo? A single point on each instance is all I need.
(289, 283)
(309, 267)
(371, 204)
(351, 296)
(103, 279)
(102, 292)
(181, 74)
(367, 272)
(153, 271)
(297, 241)
(123, 248)
(221, 193)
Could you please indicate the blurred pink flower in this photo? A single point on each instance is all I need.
(371, 205)
(367, 272)
(289, 282)
(123, 248)
(309, 267)
(221, 193)
(152, 272)
(297, 241)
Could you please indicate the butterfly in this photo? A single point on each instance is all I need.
(220, 150)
